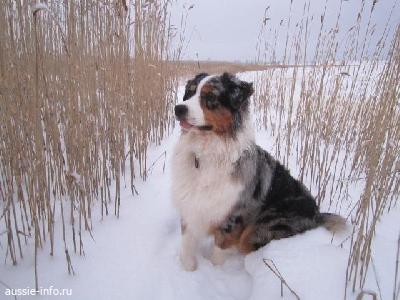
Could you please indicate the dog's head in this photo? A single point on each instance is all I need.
(214, 103)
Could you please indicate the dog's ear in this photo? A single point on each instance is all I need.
(237, 91)
(192, 84)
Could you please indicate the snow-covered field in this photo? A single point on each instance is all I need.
(136, 256)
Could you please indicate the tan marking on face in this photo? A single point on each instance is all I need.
(207, 88)
(220, 118)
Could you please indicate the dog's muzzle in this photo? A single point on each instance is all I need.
(181, 111)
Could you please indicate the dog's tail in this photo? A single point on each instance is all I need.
(332, 222)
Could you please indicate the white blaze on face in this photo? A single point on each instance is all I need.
(195, 114)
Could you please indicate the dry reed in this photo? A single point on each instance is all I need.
(274, 269)
(85, 87)
(337, 117)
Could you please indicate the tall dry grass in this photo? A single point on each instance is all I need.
(85, 87)
(338, 117)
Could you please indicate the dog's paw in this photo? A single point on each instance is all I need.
(189, 262)
(218, 256)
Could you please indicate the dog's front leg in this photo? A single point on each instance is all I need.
(188, 250)
(219, 255)
(226, 236)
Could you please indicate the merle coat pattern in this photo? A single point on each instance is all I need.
(261, 200)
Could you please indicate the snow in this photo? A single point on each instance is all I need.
(310, 264)
(136, 256)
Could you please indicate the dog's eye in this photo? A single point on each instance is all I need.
(211, 101)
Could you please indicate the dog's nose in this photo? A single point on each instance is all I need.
(180, 110)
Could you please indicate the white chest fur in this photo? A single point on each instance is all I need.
(204, 195)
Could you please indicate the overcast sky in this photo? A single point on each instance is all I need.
(228, 29)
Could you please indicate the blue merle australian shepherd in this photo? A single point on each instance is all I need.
(225, 185)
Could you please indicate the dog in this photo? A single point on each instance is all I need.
(226, 186)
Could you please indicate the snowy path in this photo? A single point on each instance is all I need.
(136, 257)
